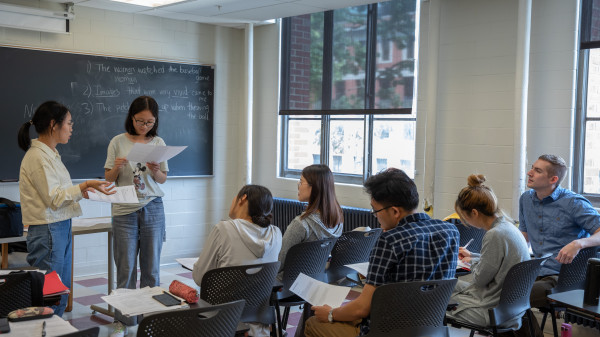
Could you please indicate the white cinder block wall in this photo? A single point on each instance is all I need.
(467, 88)
(192, 205)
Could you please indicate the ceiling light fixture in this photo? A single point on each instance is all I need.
(151, 3)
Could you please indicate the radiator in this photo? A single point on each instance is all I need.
(285, 210)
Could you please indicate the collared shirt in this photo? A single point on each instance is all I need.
(47, 192)
(418, 249)
(555, 221)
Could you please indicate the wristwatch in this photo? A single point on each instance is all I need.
(330, 316)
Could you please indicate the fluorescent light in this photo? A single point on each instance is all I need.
(151, 3)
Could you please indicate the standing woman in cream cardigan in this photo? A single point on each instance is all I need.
(48, 197)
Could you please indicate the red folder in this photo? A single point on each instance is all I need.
(53, 285)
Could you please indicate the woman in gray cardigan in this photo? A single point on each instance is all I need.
(503, 246)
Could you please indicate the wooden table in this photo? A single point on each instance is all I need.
(4, 242)
(91, 226)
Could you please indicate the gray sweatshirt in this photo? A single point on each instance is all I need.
(310, 228)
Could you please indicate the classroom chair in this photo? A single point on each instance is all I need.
(404, 308)
(514, 299)
(20, 290)
(309, 258)
(570, 277)
(252, 283)
(214, 321)
(351, 247)
(91, 332)
(467, 233)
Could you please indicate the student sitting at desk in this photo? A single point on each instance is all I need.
(247, 238)
(323, 217)
(48, 197)
(409, 239)
(503, 246)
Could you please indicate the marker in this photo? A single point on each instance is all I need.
(468, 243)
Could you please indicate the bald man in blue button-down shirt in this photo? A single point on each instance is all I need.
(555, 221)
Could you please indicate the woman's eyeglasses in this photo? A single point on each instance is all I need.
(142, 123)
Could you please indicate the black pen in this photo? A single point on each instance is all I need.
(44, 329)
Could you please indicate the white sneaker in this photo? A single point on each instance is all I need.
(120, 330)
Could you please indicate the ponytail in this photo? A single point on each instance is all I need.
(23, 137)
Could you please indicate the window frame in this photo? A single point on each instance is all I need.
(368, 112)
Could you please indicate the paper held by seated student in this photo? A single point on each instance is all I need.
(187, 262)
(362, 268)
(124, 195)
(319, 293)
(463, 265)
(146, 153)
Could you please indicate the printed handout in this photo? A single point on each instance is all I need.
(146, 153)
(319, 293)
(124, 195)
(187, 262)
(362, 268)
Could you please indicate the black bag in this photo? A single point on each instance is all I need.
(11, 220)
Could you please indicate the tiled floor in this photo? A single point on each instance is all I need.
(88, 290)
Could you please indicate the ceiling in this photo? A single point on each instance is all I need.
(231, 13)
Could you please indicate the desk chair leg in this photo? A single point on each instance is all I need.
(278, 312)
(554, 327)
(286, 315)
(543, 321)
(530, 319)
(472, 333)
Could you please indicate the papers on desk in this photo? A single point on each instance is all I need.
(362, 268)
(146, 153)
(89, 222)
(187, 262)
(319, 293)
(132, 302)
(55, 326)
(124, 195)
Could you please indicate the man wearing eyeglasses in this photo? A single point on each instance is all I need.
(413, 247)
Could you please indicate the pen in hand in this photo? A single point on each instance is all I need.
(44, 329)
(468, 243)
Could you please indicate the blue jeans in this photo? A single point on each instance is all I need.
(50, 248)
(141, 232)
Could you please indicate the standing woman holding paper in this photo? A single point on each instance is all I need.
(48, 197)
(138, 228)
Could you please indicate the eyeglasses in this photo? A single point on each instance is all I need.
(142, 123)
(300, 183)
(374, 212)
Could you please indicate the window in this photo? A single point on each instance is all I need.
(586, 179)
(347, 90)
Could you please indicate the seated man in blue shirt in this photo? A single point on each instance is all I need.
(409, 239)
(556, 222)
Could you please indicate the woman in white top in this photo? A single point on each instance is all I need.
(138, 228)
(247, 238)
(48, 197)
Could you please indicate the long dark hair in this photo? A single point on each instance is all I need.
(42, 120)
(260, 204)
(322, 195)
(138, 105)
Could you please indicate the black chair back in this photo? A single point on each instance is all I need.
(252, 283)
(350, 247)
(514, 297)
(467, 233)
(215, 321)
(423, 331)
(399, 306)
(309, 258)
(20, 290)
(91, 332)
(572, 275)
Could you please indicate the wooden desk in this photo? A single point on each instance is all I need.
(90, 226)
(5, 242)
(588, 315)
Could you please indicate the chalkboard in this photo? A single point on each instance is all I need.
(98, 91)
